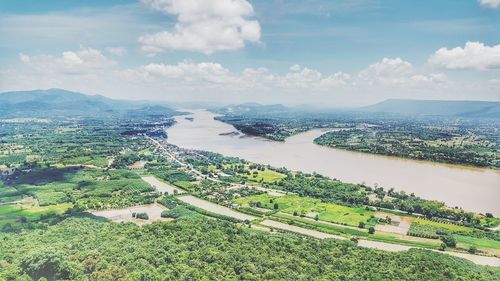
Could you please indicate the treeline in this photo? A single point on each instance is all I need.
(199, 249)
(415, 142)
(319, 187)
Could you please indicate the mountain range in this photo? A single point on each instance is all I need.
(59, 102)
(484, 109)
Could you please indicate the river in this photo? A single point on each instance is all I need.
(474, 189)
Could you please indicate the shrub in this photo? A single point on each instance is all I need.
(472, 250)
(449, 240)
(142, 216)
(371, 230)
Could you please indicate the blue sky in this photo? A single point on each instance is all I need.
(303, 51)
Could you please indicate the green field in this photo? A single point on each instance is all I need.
(478, 242)
(254, 175)
(395, 240)
(310, 207)
(184, 184)
(321, 226)
(11, 213)
(446, 226)
(267, 175)
(89, 188)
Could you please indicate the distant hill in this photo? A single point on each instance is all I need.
(484, 109)
(59, 102)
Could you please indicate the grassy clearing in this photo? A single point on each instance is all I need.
(9, 199)
(86, 160)
(184, 185)
(92, 189)
(254, 175)
(268, 176)
(478, 242)
(11, 213)
(319, 226)
(446, 226)
(310, 207)
(395, 240)
(6, 191)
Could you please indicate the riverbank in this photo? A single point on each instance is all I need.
(471, 188)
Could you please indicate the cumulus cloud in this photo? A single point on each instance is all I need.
(475, 55)
(88, 70)
(387, 71)
(203, 26)
(82, 61)
(117, 51)
(190, 72)
(396, 71)
(490, 3)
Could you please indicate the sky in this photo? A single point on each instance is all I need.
(338, 53)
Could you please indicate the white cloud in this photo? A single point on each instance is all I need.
(431, 78)
(203, 26)
(387, 71)
(190, 72)
(88, 70)
(117, 51)
(336, 80)
(83, 61)
(397, 72)
(475, 55)
(301, 78)
(494, 83)
(490, 3)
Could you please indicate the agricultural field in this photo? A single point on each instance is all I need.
(254, 174)
(479, 242)
(60, 185)
(443, 226)
(310, 207)
(29, 212)
(86, 188)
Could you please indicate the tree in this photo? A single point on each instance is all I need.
(361, 224)
(442, 247)
(142, 216)
(7, 227)
(449, 240)
(472, 250)
(371, 230)
(276, 206)
(50, 264)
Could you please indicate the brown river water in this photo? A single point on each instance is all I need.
(473, 189)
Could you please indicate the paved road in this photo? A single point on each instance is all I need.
(214, 208)
(300, 230)
(161, 186)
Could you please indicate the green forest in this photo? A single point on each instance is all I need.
(198, 249)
